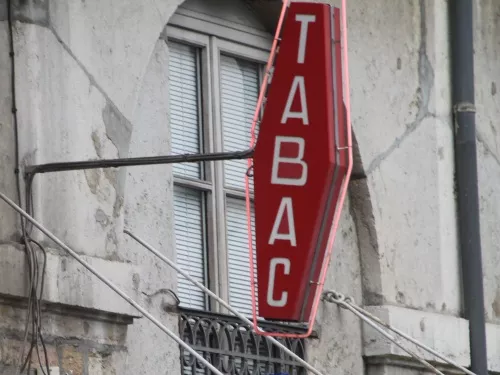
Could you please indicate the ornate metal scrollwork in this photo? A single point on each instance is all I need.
(233, 348)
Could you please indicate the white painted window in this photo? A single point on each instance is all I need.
(215, 72)
(189, 201)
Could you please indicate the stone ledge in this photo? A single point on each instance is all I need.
(397, 364)
(67, 283)
(446, 334)
(69, 310)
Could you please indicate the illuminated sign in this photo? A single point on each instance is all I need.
(299, 165)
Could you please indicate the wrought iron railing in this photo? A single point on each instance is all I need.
(233, 348)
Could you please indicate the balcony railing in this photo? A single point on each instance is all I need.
(233, 348)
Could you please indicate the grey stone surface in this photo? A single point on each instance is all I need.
(487, 47)
(72, 123)
(149, 215)
(74, 342)
(113, 41)
(339, 346)
(410, 177)
(93, 84)
(68, 282)
(8, 218)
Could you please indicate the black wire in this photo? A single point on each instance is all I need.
(33, 274)
(16, 168)
(137, 161)
(28, 310)
(34, 310)
(13, 93)
(39, 313)
(28, 197)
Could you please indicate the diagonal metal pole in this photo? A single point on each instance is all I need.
(110, 284)
(220, 300)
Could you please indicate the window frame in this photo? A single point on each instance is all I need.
(213, 40)
(205, 182)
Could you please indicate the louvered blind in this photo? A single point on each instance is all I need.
(189, 244)
(184, 106)
(239, 94)
(237, 244)
(188, 202)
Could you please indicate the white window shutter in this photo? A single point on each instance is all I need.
(189, 244)
(188, 203)
(239, 94)
(237, 244)
(184, 106)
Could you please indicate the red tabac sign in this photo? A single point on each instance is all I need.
(298, 162)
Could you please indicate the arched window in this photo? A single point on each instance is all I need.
(218, 50)
(217, 53)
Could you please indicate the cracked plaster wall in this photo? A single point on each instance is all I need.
(92, 77)
(487, 76)
(8, 218)
(401, 94)
(405, 210)
(84, 83)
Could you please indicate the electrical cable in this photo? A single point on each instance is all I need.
(39, 307)
(34, 309)
(35, 280)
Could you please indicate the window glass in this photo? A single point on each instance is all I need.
(237, 247)
(188, 202)
(184, 106)
(239, 94)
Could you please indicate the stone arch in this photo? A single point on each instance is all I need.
(149, 207)
(361, 210)
(263, 15)
(150, 115)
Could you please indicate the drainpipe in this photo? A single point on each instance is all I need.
(462, 65)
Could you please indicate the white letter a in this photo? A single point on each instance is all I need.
(298, 83)
(286, 204)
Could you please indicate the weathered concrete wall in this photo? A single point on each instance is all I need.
(339, 347)
(92, 83)
(406, 212)
(78, 344)
(8, 219)
(400, 93)
(86, 91)
(487, 47)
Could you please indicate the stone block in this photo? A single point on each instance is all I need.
(73, 359)
(446, 334)
(52, 356)
(68, 282)
(10, 350)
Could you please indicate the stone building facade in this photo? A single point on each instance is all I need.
(97, 80)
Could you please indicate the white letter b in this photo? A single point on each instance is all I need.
(298, 161)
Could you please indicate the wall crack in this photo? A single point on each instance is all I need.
(425, 83)
(91, 78)
(487, 147)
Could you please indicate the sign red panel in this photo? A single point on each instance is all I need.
(299, 165)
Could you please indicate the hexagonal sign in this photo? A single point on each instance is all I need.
(299, 163)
